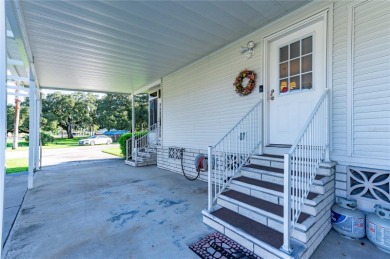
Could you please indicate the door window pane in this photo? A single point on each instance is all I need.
(283, 70)
(295, 49)
(283, 53)
(296, 66)
(307, 45)
(295, 83)
(307, 80)
(307, 63)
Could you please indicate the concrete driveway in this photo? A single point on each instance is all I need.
(109, 210)
(55, 156)
(104, 209)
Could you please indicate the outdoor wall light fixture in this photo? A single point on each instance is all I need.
(248, 49)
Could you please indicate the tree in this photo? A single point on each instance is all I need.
(69, 110)
(23, 118)
(141, 111)
(114, 112)
(15, 143)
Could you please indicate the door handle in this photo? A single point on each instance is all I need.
(271, 95)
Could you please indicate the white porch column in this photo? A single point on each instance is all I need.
(3, 112)
(32, 131)
(37, 128)
(132, 125)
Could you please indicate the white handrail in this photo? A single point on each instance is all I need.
(232, 152)
(142, 140)
(145, 141)
(301, 164)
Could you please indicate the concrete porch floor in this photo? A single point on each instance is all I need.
(109, 210)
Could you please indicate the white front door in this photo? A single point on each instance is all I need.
(296, 79)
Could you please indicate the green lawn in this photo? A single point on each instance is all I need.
(64, 142)
(16, 165)
(116, 151)
(58, 143)
(22, 144)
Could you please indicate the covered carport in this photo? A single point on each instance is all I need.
(111, 46)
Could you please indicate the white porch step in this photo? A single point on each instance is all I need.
(273, 193)
(321, 184)
(278, 150)
(264, 212)
(256, 237)
(147, 155)
(140, 162)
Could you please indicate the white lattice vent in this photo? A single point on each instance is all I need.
(369, 184)
(175, 152)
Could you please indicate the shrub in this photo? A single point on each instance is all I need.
(46, 138)
(122, 142)
(126, 136)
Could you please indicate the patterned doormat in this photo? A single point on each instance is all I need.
(217, 245)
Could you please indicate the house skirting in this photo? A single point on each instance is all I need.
(174, 164)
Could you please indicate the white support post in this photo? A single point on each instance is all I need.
(32, 132)
(210, 179)
(132, 125)
(287, 206)
(37, 128)
(3, 113)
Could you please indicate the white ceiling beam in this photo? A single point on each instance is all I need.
(10, 34)
(18, 26)
(18, 79)
(17, 94)
(14, 62)
(13, 87)
(147, 87)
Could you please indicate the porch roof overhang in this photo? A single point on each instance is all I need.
(126, 46)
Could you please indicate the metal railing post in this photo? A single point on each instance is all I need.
(287, 205)
(210, 184)
(327, 117)
(127, 149)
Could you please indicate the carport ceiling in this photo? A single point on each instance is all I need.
(121, 46)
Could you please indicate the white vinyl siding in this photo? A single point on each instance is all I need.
(361, 83)
(371, 80)
(339, 78)
(199, 101)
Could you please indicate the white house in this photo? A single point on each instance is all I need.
(341, 47)
(317, 121)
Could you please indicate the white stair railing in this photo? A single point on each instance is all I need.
(301, 164)
(148, 140)
(142, 140)
(226, 158)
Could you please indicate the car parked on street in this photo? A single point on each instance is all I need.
(95, 140)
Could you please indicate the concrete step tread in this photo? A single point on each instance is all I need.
(253, 228)
(264, 205)
(270, 186)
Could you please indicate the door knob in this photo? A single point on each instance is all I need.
(271, 95)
